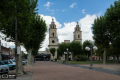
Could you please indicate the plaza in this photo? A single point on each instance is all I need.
(56, 71)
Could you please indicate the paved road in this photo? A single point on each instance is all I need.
(55, 71)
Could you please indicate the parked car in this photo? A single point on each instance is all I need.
(24, 61)
(12, 61)
(11, 66)
(3, 68)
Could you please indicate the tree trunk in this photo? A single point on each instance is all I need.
(29, 57)
(104, 56)
(20, 65)
(113, 57)
(99, 58)
(117, 58)
(32, 59)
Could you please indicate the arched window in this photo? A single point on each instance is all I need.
(53, 34)
(78, 36)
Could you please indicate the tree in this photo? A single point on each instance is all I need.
(101, 34)
(62, 47)
(52, 51)
(25, 56)
(59, 53)
(113, 21)
(20, 12)
(76, 48)
(85, 52)
(99, 52)
(37, 35)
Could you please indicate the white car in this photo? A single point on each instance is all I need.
(4, 68)
(24, 61)
(12, 61)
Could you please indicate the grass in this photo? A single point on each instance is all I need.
(88, 62)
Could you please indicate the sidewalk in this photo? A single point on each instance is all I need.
(54, 71)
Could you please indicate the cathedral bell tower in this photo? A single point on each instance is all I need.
(77, 34)
(53, 37)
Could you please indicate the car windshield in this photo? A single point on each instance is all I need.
(1, 63)
(6, 62)
(13, 60)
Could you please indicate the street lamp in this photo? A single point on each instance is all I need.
(44, 58)
(88, 49)
(67, 54)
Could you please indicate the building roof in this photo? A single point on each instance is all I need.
(5, 47)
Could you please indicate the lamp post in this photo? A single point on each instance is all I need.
(88, 49)
(67, 54)
(0, 51)
(44, 58)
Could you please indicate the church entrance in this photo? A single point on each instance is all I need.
(42, 57)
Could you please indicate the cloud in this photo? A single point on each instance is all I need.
(64, 10)
(83, 11)
(66, 32)
(52, 10)
(72, 5)
(86, 24)
(57, 9)
(48, 4)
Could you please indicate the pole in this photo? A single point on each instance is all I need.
(9, 53)
(16, 42)
(0, 51)
(67, 57)
(91, 58)
(44, 58)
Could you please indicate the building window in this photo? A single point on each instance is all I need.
(53, 41)
(53, 34)
(78, 36)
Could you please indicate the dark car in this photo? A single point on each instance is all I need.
(11, 66)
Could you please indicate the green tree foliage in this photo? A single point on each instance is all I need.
(17, 12)
(52, 51)
(99, 52)
(76, 48)
(24, 12)
(25, 56)
(81, 58)
(85, 52)
(101, 34)
(59, 53)
(112, 16)
(62, 48)
(37, 35)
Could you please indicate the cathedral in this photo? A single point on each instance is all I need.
(54, 41)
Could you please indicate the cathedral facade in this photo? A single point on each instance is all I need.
(54, 41)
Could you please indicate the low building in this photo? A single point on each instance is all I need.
(5, 52)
